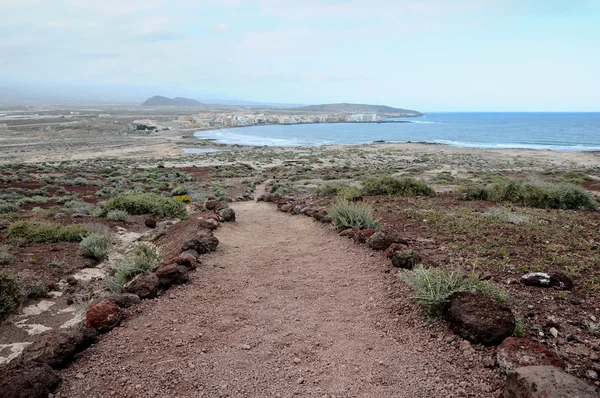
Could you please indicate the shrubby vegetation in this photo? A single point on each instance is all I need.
(98, 244)
(144, 257)
(44, 232)
(396, 187)
(117, 215)
(347, 214)
(145, 203)
(435, 286)
(540, 195)
(9, 293)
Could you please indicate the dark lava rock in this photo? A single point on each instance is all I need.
(286, 207)
(348, 233)
(171, 274)
(123, 300)
(34, 380)
(209, 224)
(379, 241)
(227, 215)
(326, 220)
(213, 205)
(103, 316)
(395, 247)
(198, 245)
(517, 352)
(144, 285)
(480, 319)
(406, 259)
(546, 382)
(150, 223)
(362, 235)
(264, 198)
(188, 260)
(59, 349)
(560, 281)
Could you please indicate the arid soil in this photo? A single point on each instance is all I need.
(284, 308)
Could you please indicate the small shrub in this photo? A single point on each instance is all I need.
(351, 194)
(472, 192)
(352, 215)
(38, 291)
(397, 187)
(117, 215)
(329, 189)
(146, 203)
(10, 293)
(5, 256)
(183, 199)
(8, 207)
(144, 257)
(435, 286)
(178, 191)
(519, 328)
(96, 246)
(42, 232)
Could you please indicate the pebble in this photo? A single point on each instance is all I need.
(79, 376)
(554, 332)
(449, 339)
(245, 346)
(297, 360)
(300, 381)
(594, 357)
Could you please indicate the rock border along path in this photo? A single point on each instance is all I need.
(284, 308)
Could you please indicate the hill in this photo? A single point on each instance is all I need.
(358, 108)
(158, 100)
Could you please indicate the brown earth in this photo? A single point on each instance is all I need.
(283, 308)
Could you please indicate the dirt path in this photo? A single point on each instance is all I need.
(284, 308)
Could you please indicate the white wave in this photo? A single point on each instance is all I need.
(232, 138)
(572, 148)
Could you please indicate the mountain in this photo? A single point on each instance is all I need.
(158, 100)
(358, 108)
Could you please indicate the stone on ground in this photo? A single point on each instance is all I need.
(103, 316)
(546, 382)
(227, 215)
(517, 352)
(406, 259)
(171, 274)
(32, 381)
(144, 285)
(379, 241)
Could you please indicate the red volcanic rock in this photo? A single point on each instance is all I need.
(103, 316)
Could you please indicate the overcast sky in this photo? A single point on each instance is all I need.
(431, 55)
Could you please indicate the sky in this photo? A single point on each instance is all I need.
(429, 55)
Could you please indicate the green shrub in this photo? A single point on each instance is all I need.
(347, 214)
(179, 191)
(543, 196)
(434, 287)
(146, 203)
(397, 187)
(42, 232)
(183, 199)
(144, 257)
(10, 294)
(351, 194)
(38, 291)
(117, 215)
(7, 207)
(96, 246)
(329, 189)
(5, 256)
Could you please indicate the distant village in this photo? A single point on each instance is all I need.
(216, 120)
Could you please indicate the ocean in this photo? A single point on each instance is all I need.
(557, 131)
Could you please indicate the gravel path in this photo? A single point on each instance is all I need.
(284, 308)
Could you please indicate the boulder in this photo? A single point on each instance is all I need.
(319, 215)
(480, 319)
(286, 208)
(379, 241)
(208, 238)
(150, 223)
(103, 316)
(59, 349)
(394, 247)
(213, 205)
(265, 198)
(348, 233)
(209, 224)
(560, 281)
(362, 235)
(171, 274)
(326, 220)
(144, 285)
(197, 245)
(406, 259)
(517, 352)
(188, 260)
(227, 215)
(540, 279)
(123, 300)
(546, 382)
(34, 380)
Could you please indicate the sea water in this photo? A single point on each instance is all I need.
(558, 131)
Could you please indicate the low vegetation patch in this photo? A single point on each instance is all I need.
(10, 293)
(44, 232)
(117, 215)
(144, 257)
(97, 245)
(347, 214)
(396, 187)
(145, 203)
(434, 287)
(539, 195)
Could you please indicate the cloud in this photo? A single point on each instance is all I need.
(224, 27)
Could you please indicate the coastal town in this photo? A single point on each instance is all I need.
(221, 120)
